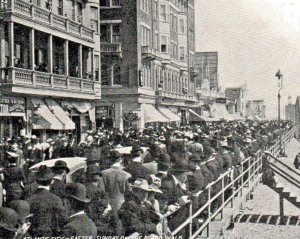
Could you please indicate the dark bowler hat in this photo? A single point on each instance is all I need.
(136, 148)
(9, 219)
(44, 173)
(21, 207)
(60, 164)
(77, 191)
(93, 170)
(164, 159)
(114, 154)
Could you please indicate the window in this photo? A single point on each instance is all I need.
(94, 18)
(155, 10)
(104, 74)
(156, 42)
(104, 3)
(181, 26)
(104, 33)
(60, 9)
(96, 67)
(175, 23)
(117, 75)
(145, 5)
(116, 33)
(181, 53)
(38, 3)
(116, 3)
(163, 44)
(145, 36)
(79, 12)
(163, 12)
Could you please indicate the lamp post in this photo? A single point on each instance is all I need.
(279, 75)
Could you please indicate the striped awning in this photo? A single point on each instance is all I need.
(152, 115)
(168, 114)
(60, 114)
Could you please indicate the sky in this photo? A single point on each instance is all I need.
(254, 38)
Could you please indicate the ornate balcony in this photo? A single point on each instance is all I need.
(38, 15)
(111, 48)
(18, 80)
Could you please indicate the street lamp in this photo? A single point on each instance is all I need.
(279, 75)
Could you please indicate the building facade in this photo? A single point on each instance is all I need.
(147, 56)
(256, 108)
(290, 113)
(238, 96)
(206, 64)
(50, 66)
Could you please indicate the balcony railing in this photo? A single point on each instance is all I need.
(111, 47)
(18, 76)
(46, 16)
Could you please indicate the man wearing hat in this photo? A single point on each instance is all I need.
(23, 209)
(9, 223)
(34, 150)
(116, 180)
(136, 215)
(163, 165)
(135, 167)
(47, 208)
(78, 224)
(60, 170)
(14, 178)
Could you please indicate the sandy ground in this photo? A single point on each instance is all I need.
(266, 202)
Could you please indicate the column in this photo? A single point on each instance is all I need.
(92, 65)
(2, 50)
(50, 54)
(32, 46)
(80, 60)
(10, 127)
(66, 49)
(11, 43)
(119, 116)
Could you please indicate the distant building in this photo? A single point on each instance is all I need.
(206, 63)
(290, 113)
(297, 111)
(238, 96)
(256, 108)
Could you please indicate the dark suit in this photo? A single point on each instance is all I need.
(137, 170)
(137, 218)
(79, 225)
(58, 187)
(48, 212)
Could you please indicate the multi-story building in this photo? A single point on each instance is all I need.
(50, 66)
(147, 50)
(238, 96)
(206, 64)
(290, 113)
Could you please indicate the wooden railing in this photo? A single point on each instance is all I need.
(250, 170)
(43, 15)
(19, 76)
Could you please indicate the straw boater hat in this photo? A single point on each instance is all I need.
(141, 183)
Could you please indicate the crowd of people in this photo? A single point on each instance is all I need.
(122, 194)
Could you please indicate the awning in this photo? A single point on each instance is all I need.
(44, 118)
(152, 115)
(168, 114)
(82, 107)
(62, 116)
(196, 117)
(220, 111)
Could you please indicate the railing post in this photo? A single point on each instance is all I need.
(242, 179)
(209, 212)
(191, 219)
(223, 198)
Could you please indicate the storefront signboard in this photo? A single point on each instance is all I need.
(11, 105)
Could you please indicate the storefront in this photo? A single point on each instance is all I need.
(12, 116)
(105, 116)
